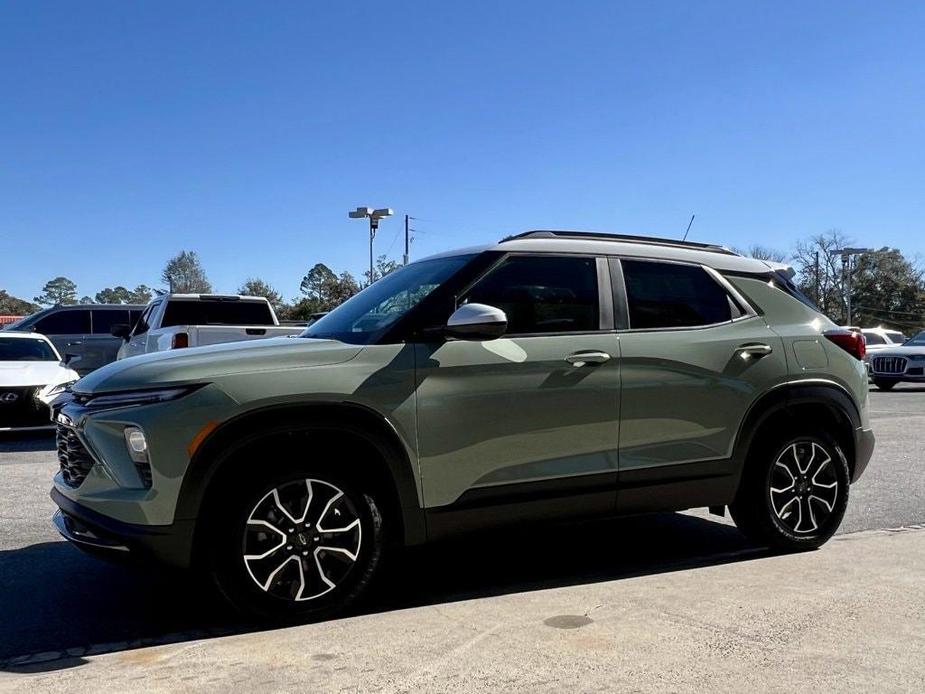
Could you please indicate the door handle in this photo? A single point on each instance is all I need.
(589, 357)
(756, 350)
(74, 344)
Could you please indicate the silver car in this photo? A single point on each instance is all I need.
(905, 362)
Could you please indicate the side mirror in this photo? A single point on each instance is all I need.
(476, 322)
(122, 330)
(71, 358)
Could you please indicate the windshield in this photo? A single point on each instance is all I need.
(367, 315)
(24, 349)
(916, 341)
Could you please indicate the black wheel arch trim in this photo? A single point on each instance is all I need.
(782, 398)
(248, 427)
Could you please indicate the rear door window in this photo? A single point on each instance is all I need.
(103, 320)
(66, 322)
(217, 313)
(674, 295)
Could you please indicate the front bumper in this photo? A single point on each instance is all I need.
(864, 441)
(100, 534)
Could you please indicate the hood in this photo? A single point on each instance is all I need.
(203, 364)
(34, 373)
(900, 351)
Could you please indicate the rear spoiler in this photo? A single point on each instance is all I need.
(781, 268)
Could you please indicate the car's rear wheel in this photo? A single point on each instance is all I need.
(885, 383)
(794, 491)
(296, 544)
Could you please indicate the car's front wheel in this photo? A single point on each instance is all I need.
(295, 545)
(794, 491)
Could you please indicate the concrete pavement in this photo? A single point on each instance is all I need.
(849, 617)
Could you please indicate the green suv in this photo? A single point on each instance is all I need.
(551, 376)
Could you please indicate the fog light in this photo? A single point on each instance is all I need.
(137, 444)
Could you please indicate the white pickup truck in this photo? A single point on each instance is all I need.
(175, 321)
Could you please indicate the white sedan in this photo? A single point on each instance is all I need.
(31, 376)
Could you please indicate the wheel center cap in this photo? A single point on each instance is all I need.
(301, 539)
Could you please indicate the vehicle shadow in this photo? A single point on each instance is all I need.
(68, 605)
(27, 441)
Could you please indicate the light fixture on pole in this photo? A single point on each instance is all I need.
(374, 216)
(846, 254)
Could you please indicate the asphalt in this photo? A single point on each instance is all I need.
(62, 610)
(846, 618)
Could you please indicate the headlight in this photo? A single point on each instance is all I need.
(917, 357)
(138, 397)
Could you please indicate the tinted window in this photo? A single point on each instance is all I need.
(217, 313)
(141, 325)
(133, 316)
(874, 339)
(669, 295)
(104, 320)
(70, 322)
(542, 294)
(23, 349)
(896, 338)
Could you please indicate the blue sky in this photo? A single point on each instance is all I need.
(246, 131)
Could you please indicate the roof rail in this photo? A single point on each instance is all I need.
(625, 238)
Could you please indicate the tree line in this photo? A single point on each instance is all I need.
(886, 287)
(321, 289)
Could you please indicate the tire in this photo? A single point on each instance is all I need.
(295, 544)
(884, 383)
(794, 491)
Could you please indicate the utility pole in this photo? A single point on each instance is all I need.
(818, 290)
(407, 241)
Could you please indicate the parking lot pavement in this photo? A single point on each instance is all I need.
(849, 617)
(60, 603)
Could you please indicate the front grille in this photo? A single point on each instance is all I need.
(889, 365)
(74, 458)
(19, 408)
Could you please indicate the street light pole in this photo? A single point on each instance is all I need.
(846, 255)
(374, 216)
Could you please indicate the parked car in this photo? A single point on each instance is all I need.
(176, 321)
(82, 331)
(550, 376)
(878, 339)
(905, 362)
(31, 375)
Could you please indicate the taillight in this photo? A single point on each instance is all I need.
(179, 341)
(853, 343)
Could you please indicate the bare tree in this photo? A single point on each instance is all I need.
(763, 253)
(820, 274)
